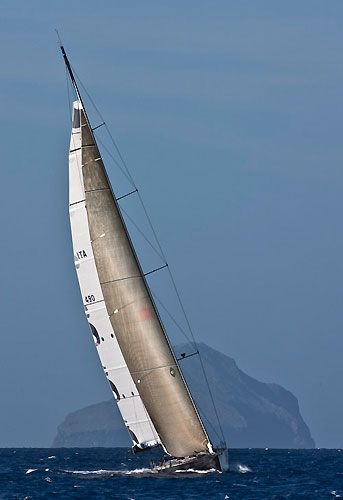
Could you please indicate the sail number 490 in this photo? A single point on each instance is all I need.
(89, 298)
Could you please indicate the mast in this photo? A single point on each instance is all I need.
(70, 71)
(130, 307)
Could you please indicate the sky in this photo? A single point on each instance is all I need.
(229, 116)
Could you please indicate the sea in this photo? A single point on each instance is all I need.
(114, 473)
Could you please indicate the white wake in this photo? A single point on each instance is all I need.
(243, 469)
(30, 470)
(99, 472)
(143, 470)
(196, 471)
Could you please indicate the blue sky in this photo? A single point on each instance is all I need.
(229, 115)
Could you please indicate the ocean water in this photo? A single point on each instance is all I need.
(103, 473)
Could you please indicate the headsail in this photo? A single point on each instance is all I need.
(136, 418)
(120, 303)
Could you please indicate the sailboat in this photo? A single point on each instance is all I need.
(137, 358)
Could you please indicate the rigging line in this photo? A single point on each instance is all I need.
(151, 226)
(157, 269)
(119, 153)
(211, 396)
(202, 366)
(196, 353)
(171, 316)
(58, 37)
(98, 126)
(132, 277)
(209, 422)
(127, 194)
(197, 348)
(185, 356)
(182, 308)
(141, 232)
(115, 160)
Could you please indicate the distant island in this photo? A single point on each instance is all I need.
(253, 414)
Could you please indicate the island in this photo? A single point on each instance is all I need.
(253, 414)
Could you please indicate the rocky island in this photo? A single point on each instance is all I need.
(253, 414)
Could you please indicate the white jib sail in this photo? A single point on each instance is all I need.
(135, 416)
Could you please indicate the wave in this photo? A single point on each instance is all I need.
(243, 469)
(143, 470)
(196, 471)
(86, 472)
(99, 472)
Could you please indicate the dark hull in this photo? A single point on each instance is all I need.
(201, 462)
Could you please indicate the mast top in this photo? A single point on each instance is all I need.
(70, 71)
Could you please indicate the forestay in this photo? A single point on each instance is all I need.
(137, 421)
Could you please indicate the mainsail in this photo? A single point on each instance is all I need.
(132, 344)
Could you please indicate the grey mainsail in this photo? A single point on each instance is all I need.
(133, 315)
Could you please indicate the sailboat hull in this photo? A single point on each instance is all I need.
(215, 462)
